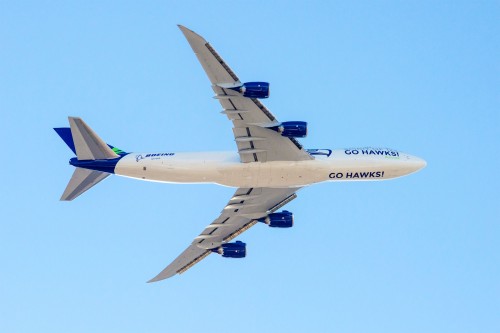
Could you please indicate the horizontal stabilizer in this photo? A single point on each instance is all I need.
(88, 145)
(81, 181)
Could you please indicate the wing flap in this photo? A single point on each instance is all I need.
(259, 140)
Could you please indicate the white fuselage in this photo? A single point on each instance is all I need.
(225, 168)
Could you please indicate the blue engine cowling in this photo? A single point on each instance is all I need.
(254, 89)
(232, 250)
(294, 129)
(282, 219)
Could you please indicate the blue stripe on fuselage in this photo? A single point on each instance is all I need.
(98, 165)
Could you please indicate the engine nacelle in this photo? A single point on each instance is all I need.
(254, 89)
(282, 219)
(232, 250)
(292, 129)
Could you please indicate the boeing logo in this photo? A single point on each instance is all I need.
(155, 156)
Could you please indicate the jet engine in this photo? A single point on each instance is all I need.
(282, 219)
(232, 250)
(254, 89)
(292, 129)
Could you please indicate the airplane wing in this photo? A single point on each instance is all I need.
(241, 212)
(251, 119)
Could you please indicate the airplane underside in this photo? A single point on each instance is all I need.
(225, 169)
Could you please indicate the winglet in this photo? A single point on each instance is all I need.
(190, 33)
(216, 68)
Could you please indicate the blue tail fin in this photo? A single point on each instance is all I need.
(65, 134)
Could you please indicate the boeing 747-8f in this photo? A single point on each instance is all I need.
(267, 169)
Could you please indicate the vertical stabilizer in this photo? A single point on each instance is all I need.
(88, 145)
(81, 181)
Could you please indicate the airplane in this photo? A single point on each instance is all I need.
(268, 168)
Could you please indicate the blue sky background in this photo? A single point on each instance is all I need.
(416, 254)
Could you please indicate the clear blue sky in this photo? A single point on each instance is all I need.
(416, 254)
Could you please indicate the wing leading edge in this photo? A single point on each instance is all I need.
(240, 214)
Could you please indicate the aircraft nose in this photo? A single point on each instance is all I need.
(417, 163)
